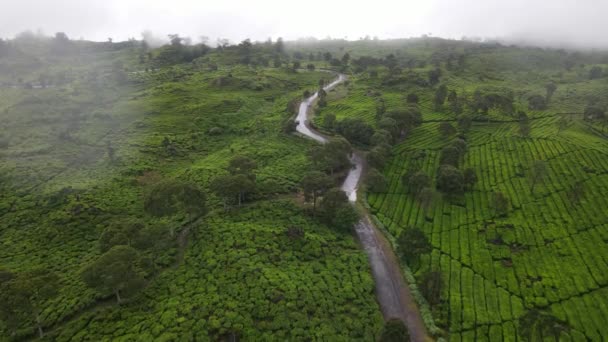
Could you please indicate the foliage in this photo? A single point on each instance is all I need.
(170, 197)
(115, 271)
(394, 331)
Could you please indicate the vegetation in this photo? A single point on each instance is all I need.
(161, 178)
(504, 176)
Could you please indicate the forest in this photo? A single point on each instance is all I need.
(163, 192)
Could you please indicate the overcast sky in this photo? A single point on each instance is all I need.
(572, 22)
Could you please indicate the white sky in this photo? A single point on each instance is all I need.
(573, 22)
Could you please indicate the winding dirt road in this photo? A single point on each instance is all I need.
(392, 292)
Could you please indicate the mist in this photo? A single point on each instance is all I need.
(565, 23)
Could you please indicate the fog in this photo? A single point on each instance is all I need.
(567, 23)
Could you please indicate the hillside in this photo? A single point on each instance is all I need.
(516, 221)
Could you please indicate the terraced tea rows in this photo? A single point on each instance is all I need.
(548, 252)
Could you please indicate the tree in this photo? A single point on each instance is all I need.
(115, 271)
(314, 184)
(534, 324)
(469, 178)
(524, 125)
(551, 88)
(537, 102)
(231, 187)
(346, 58)
(594, 113)
(310, 67)
(123, 233)
(417, 182)
(430, 286)
(562, 123)
(279, 46)
(450, 180)
(595, 72)
(576, 192)
(446, 129)
(170, 197)
(329, 120)
(381, 137)
(440, 96)
(332, 156)
(434, 76)
(500, 203)
(425, 198)
(390, 125)
(336, 211)
(412, 98)
(355, 130)
(23, 295)
(394, 331)
(413, 243)
(242, 165)
(377, 157)
(456, 105)
(464, 123)
(538, 172)
(376, 182)
(450, 155)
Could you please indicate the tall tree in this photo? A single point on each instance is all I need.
(394, 331)
(538, 172)
(413, 243)
(169, 197)
(550, 88)
(23, 295)
(115, 271)
(500, 202)
(314, 184)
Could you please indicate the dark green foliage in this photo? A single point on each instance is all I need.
(446, 129)
(431, 286)
(594, 113)
(23, 295)
(464, 123)
(576, 192)
(417, 182)
(535, 324)
(394, 331)
(232, 187)
(469, 178)
(450, 180)
(537, 102)
(169, 197)
(412, 244)
(337, 212)
(242, 165)
(500, 203)
(315, 184)
(440, 95)
(550, 87)
(332, 156)
(329, 120)
(381, 137)
(376, 182)
(450, 155)
(412, 98)
(355, 130)
(115, 271)
(434, 76)
(378, 156)
(538, 172)
(121, 233)
(596, 72)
